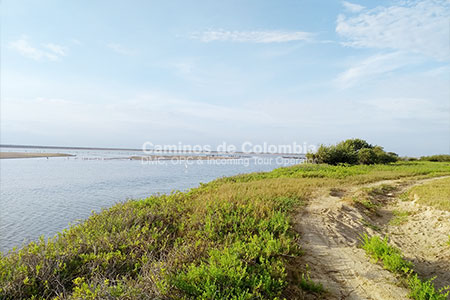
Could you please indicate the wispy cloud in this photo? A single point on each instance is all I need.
(120, 49)
(352, 6)
(412, 26)
(49, 51)
(56, 49)
(252, 36)
(373, 67)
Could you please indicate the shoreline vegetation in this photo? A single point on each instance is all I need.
(232, 238)
(291, 233)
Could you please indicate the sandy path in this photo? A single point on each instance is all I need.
(330, 228)
(422, 238)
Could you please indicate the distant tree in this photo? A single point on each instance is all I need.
(439, 157)
(367, 156)
(352, 151)
(356, 144)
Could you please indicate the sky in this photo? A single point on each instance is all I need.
(113, 73)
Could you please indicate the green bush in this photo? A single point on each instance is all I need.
(178, 246)
(367, 156)
(425, 290)
(440, 158)
(352, 151)
(380, 250)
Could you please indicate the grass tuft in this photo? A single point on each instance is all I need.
(400, 217)
(381, 251)
(392, 260)
(307, 284)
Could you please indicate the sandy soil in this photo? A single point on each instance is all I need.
(330, 227)
(6, 155)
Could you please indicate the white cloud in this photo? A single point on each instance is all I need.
(252, 36)
(412, 26)
(56, 49)
(50, 51)
(373, 67)
(352, 7)
(120, 49)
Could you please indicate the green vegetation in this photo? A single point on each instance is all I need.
(392, 260)
(440, 158)
(374, 197)
(352, 151)
(229, 239)
(435, 193)
(380, 250)
(370, 225)
(400, 217)
(307, 284)
(425, 290)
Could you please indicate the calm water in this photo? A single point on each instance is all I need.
(40, 196)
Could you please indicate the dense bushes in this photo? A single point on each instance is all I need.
(352, 151)
(441, 158)
(203, 244)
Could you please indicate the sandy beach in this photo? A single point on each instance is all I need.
(9, 155)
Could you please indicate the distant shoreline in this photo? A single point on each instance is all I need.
(137, 150)
(12, 155)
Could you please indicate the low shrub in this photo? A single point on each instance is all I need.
(425, 290)
(392, 260)
(380, 250)
(352, 151)
(439, 157)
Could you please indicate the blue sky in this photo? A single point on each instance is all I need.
(120, 73)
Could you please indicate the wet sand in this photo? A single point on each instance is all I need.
(7, 155)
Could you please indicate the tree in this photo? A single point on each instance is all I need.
(367, 156)
(351, 151)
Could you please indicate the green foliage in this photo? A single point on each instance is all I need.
(307, 284)
(440, 158)
(370, 225)
(425, 290)
(392, 260)
(367, 156)
(170, 246)
(367, 203)
(400, 217)
(352, 151)
(380, 250)
(244, 270)
(356, 144)
(355, 174)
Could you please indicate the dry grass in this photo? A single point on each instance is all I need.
(435, 193)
